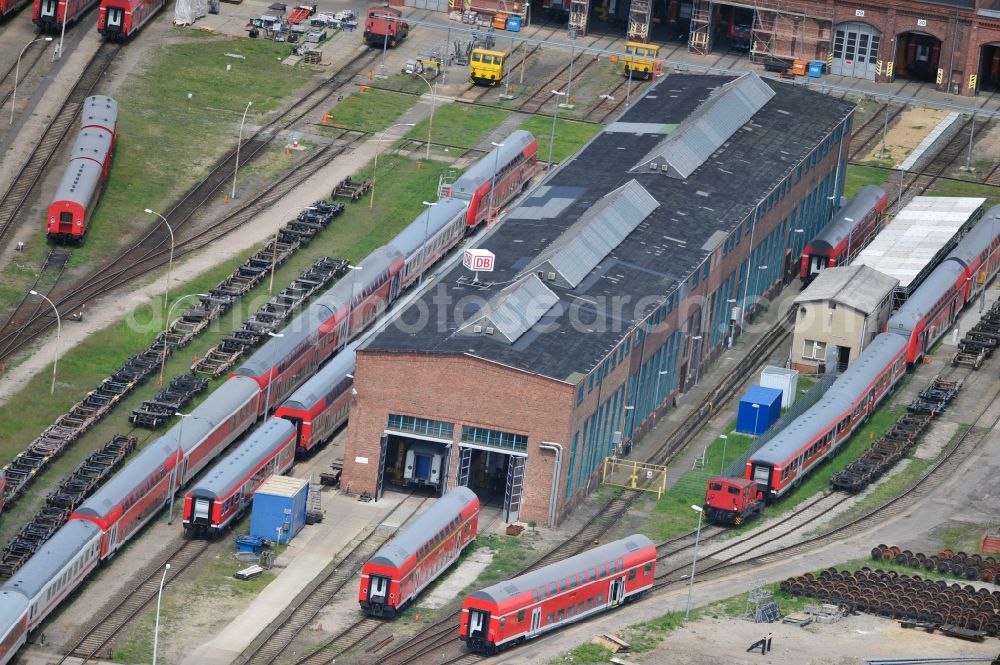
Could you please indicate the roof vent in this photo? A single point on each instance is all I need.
(653, 166)
(477, 329)
(552, 276)
(489, 330)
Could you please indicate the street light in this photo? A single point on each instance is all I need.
(756, 282)
(694, 562)
(166, 329)
(378, 144)
(621, 444)
(170, 263)
(725, 443)
(274, 249)
(236, 166)
(424, 263)
(17, 72)
(55, 359)
(697, 369)
(430, 122)
(756, 418)
(552, 135)
(159, 596)
(490, 215)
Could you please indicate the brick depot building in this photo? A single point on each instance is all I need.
(615, 279)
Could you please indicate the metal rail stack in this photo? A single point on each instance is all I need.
(21, 472)
(979, 343)
(934, 399)
(59, 504)
(158, 411)
(270, 317)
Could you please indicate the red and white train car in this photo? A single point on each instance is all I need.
(80, 187)
(525, 607)
(120, 19)
(497, 178)
(418, 554)
(287, 360)
(49, 15)
(3, 483)
(320, 407)
(226, 492)
(8, 7)
(846, 235)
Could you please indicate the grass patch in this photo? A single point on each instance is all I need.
(862, 176)
(956, 188)
(737, 606)
(461, 125)
(585, 653)
(643, 637)
(512, 555)
(570, 135)
(371, 111)
(960, 537)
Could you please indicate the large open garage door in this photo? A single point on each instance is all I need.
(855, 50)
(495, 476)
(917, 56)
(989, 67)
(434, 5)
(411, 461)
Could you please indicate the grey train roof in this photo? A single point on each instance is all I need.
(978, 239)
(83, 174)
(442, 213)
(357, 281)
(925, 297)
(325, 380)
(53, 555)
(482, 171)
(219, 406)
(861, 205)
(13, 605)
(408, 541)
(125, 481)
(99, 110)
(301, 328)
(560, 570)
(262, 442)
(837, 399)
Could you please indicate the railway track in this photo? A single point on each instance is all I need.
(277, 637)
(943, 159)
(100, 634)
(59, 128)
(7, 81)
(152, 250)
(867, 135)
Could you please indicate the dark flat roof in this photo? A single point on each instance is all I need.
(662, 252)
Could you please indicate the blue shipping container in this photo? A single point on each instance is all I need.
(280, 503)
(513, 24)
(759, 409)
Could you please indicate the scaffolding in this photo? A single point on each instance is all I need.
(639, 18)
(700, 34)
(761, 606)
(781, 29)
(579, 10)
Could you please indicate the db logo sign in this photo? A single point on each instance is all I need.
(479, 260)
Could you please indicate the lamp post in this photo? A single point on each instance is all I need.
(378, 144)
(490, 215)
(159, 597)
(170, 263)
(55, 359)
(732, 320)
(756, 283)
(166, 329)
(62, 33)
(17, 73)
(427, 223)
(236, 166)
(697, 369)
(430, 121)
(606, 97)
(756, 418)
(270, 379)
(274, 248)
(659, 384)
(552, 135)
(694, 562)
(725, 444)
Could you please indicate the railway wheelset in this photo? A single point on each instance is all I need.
(907, 597)
(957, 564)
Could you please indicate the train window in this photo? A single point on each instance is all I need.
(590, 603)
(733, 490)
(561, 615)
(573, 582)
(716, 487)
(553, 589)
(562, 585)
(475, 57)
(593, 574)
(570, 611)
(548, 618)
(503, 621)
(631, 574)
(520, 616)
(600, 599)
(648, 568)
(579, 608)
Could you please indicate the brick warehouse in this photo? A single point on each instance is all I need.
(614, 281)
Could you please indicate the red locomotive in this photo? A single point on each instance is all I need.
(732, 500)
(120, 19)
(841, 240)
(8, 7)
(320, 406)
(384, 27)
(49, 15)
(80, 187)
(226, 492)
(418, 554)
(517, 158)
(739, 31)
(520, 609)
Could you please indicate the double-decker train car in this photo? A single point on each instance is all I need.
(118, 20)
(429, 237)
(561, 593)
(80, 187)
(8, 7)
(226, 492)
(931, 310)
(841, 240)
(418, 554)
(49, 15)
(497, 178)
(320, 406)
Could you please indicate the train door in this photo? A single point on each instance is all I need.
(114, 17)
(762, 476)
(616, 594)
(48, 8)
(855, 50)
(113, 538)
(378, 589)
(479, 621)
(536, 621)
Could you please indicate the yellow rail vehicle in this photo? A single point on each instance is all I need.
(640, 60)
(486, 67)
